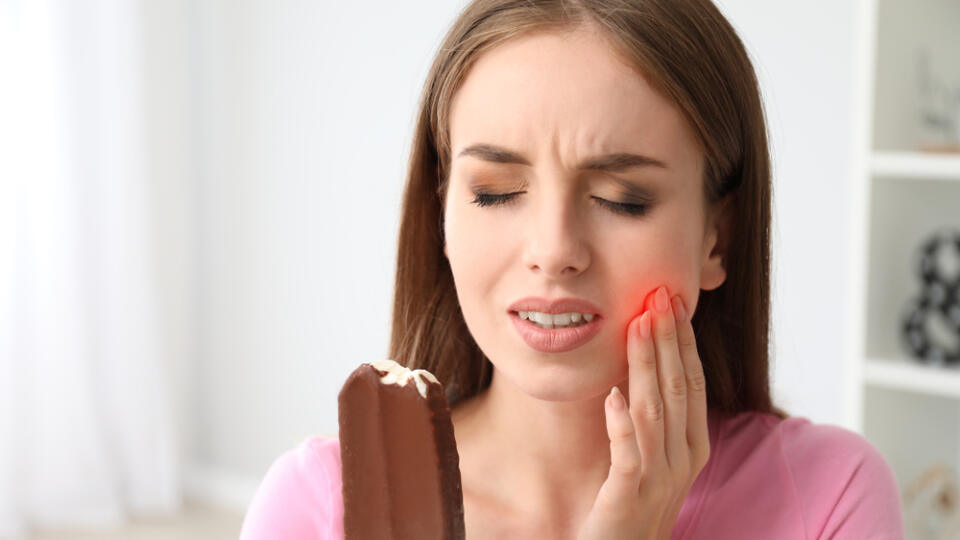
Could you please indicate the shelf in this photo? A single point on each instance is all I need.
(901, 374)
(916, 165)
(907, 188)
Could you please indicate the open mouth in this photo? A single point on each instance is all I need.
(566, 322)
(552, 338)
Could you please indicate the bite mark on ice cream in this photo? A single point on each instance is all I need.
(400, 375)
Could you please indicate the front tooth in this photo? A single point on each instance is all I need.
(542, 318)
(560, 319)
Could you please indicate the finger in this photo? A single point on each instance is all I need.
(673, 384)
(625, 458)
(646, 405)
(698, 436)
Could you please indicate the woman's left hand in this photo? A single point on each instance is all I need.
(660, 444)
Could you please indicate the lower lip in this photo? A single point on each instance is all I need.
(555, 340)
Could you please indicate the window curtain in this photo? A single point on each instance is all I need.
(86, 422)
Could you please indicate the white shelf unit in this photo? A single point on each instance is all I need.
(911, 377)
(909, 410)
(915, 165)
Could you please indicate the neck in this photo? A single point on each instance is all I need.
(549, 457)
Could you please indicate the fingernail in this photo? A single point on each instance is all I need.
(645, 325)
(661, 300)
(616, 399)
(678, 309)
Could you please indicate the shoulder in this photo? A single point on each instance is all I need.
(808, 445)
(798, 442)
(803, 444)
(300, 494)
(837, 482)
(845, 482)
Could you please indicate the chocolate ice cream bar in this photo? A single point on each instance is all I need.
(401, 469)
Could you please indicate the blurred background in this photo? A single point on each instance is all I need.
(199, 202)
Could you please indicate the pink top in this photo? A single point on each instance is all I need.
(765, 478)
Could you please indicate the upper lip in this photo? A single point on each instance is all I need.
(558, 305)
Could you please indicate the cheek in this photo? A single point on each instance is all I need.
(664, 260)
(474, 246)
(478, 239)
(479, 253)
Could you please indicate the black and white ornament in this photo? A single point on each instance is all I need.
(930, 324)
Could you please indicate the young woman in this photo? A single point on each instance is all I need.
(584, 262)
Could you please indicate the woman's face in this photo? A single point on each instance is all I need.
(558, 101)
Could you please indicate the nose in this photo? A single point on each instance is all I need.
(555, 243)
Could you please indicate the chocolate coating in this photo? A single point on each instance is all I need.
(401, 469)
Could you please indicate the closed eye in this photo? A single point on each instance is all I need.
(626, 209)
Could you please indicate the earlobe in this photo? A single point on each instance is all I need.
(713, 275)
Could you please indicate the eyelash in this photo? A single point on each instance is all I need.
(632, 210)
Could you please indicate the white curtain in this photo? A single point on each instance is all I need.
(86, 426)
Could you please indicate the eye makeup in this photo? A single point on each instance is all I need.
(631, 199)
(633, 208)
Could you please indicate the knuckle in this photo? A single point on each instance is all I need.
(687, 340)
(667, 333)
(623, 434)
(698, 383)
(653, 410)
(645, 361)
(627, 468)
(676, 386)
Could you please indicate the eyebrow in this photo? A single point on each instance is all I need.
(610, 163)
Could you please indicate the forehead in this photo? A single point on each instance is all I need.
(569, 90)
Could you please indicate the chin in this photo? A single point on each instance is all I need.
(561, 382)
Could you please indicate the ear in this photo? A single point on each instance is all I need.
(715, 242)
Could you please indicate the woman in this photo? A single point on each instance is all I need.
(605, 162)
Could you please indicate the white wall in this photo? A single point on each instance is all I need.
(306, 111)
(804, 56)
(171, 163)
(303, 116)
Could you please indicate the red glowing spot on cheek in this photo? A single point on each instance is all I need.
(649, 303)
(646, 303)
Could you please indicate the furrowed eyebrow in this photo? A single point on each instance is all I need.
(609, 163)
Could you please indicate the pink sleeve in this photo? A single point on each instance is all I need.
(851, 491)
(300, 495)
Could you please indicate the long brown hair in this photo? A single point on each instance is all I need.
(688, 51)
